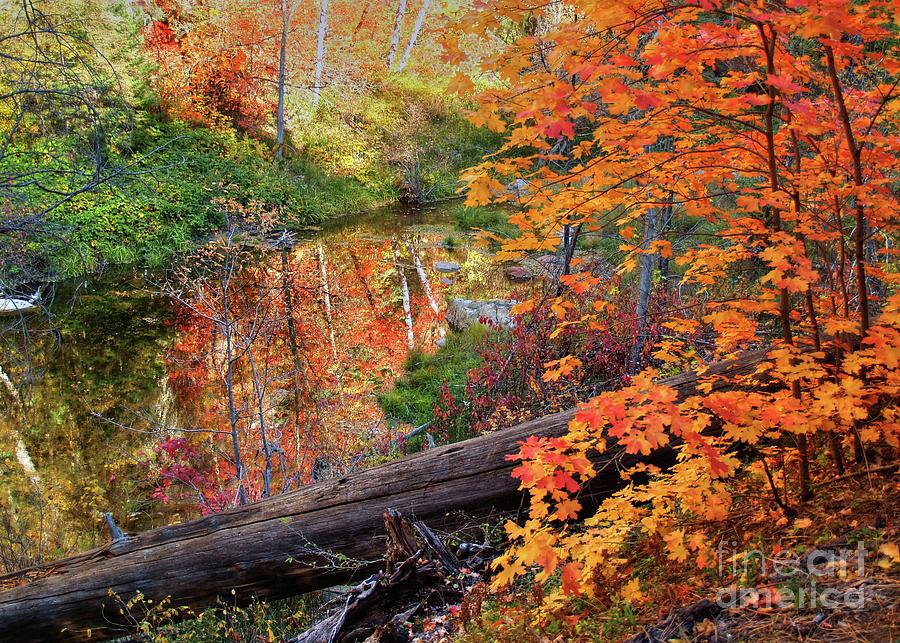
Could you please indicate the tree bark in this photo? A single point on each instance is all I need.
(420, 21)
(404, 289)
(649, 262)
(296, 542)
(395, 36)
(326, 294)
(320, 52)
(423, 277)
(859, 233)
(282, 65)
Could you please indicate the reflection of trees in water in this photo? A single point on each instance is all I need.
(101, 356)
(153, 375)
(282, 358)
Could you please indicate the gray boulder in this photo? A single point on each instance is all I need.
(462, 313)
(447, 266)
(518, 273)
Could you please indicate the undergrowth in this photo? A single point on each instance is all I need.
(413, 396)
(762, 558)
(402, 141)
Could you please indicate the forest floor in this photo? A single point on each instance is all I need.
(831, 575)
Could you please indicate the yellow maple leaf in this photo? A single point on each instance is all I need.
(461, 84)
(891, 551)
(523, 307)
(631, 591)
(675, 543)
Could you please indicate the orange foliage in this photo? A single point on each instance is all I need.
(772, 129)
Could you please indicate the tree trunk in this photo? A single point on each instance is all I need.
(645, 286)
(294, 543)
(282, 64)
(420, 20)
(423, 277)
(395, 36)
(320, 52)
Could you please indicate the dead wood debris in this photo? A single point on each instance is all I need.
(421, 574)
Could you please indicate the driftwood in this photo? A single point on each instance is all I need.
(316, 537)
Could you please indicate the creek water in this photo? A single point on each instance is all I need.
(115, 400)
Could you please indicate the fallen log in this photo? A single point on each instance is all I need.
(294, 543)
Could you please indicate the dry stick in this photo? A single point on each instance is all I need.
(859, 474)
(789, 512)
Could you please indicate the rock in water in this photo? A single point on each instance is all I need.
(518, 273)
(462, 313)
(518, 188)
(13, 306)
(447, 266)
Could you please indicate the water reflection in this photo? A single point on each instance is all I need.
(123, 402)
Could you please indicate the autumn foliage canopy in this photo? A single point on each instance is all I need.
(767, 133)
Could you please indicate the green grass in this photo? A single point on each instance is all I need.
(413, 396)
(167, 203)
(490, 219)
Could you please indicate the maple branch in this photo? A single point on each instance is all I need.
(789, 512)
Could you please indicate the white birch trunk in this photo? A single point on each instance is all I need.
(420, 21)
(423, 277)
(407, 308)
(21, 449)
(320, 52)
(395, 36)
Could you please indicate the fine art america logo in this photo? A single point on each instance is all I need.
(792, 580)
